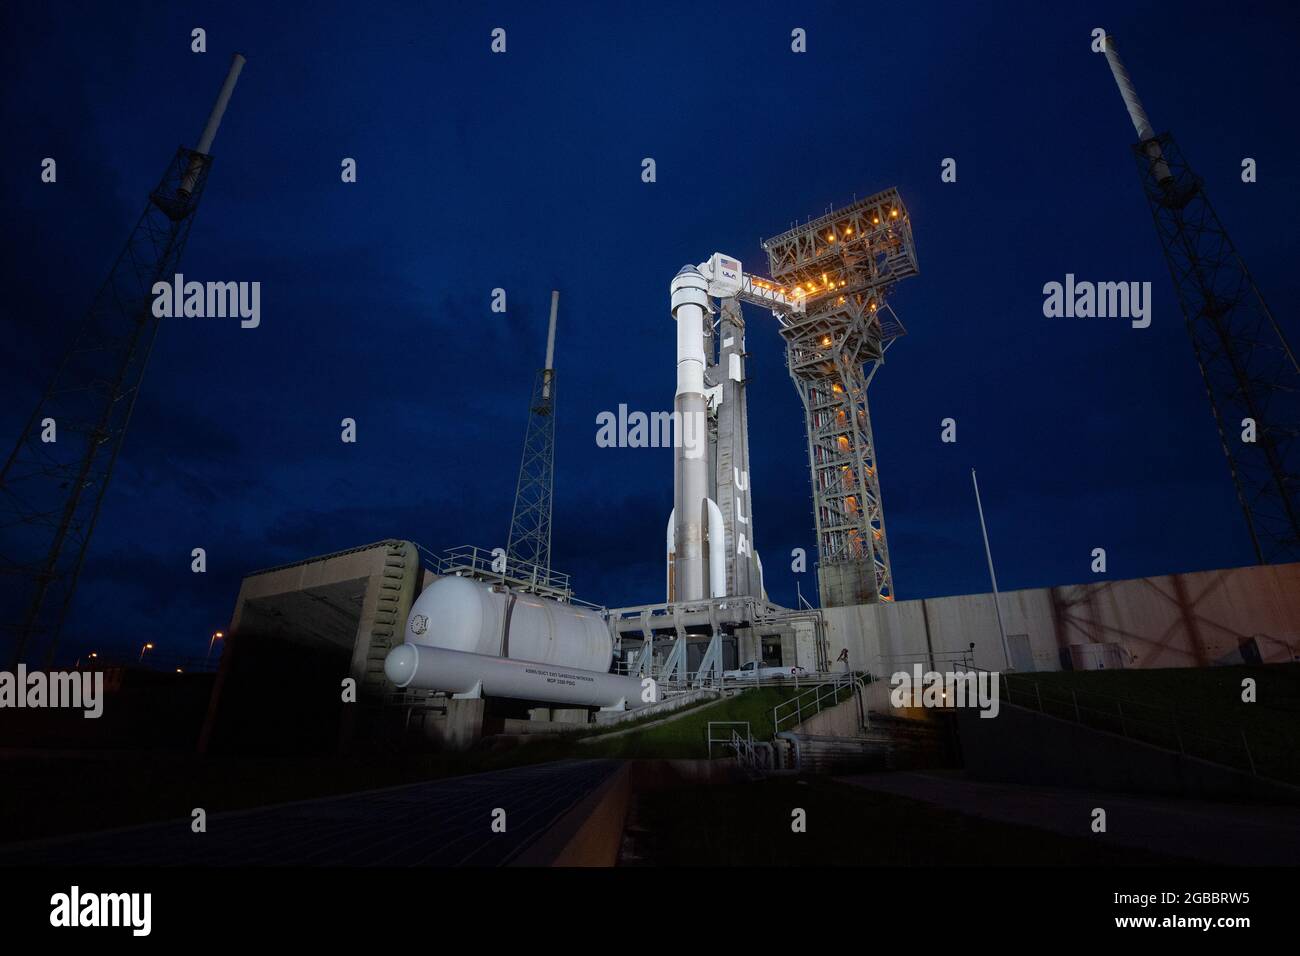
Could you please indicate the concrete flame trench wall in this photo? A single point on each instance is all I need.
(354, 602)
(1179, 620)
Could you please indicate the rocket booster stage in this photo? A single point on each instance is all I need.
(690, 302)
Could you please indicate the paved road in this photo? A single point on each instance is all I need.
(1196, 829)
(439, 823)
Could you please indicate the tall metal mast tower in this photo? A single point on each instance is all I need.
(530, 523)
(844, 265)
(1249, 369)
(54, 480)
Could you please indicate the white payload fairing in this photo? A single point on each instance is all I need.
(694, 570)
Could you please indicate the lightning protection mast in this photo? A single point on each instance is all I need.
(1249, 369)
(529, 545)
(53, 482)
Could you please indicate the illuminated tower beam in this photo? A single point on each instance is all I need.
(51, 490)
(530, 523)
(1247, 365)
(844, 265)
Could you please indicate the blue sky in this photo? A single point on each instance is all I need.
(522, 171)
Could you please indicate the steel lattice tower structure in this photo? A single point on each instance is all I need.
(530, 523)
(1247, 365)
(844, 265)
(51, 491)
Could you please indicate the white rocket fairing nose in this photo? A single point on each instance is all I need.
(690, 302)
(399, 666)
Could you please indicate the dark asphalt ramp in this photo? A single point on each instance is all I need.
(445, 822)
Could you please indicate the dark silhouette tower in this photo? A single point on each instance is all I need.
(1249, 369)
(54, 480)
(529, 549)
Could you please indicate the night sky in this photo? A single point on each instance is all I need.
(522, 171)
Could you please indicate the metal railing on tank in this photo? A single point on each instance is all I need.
(489, 565)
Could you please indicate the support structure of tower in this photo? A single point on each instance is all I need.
(529, 544)
(844, 265)
(54, 480)
(1249, 369)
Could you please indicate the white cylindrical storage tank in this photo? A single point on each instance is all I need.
(455, 672)
(461, 614)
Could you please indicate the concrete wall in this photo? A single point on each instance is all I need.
(1179, 620)
(358, 599)
(838, 720)
(353, 602)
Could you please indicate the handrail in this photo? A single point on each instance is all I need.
(820, 692)
(933, 660)
(733, 739)
(691, 680)
(744, 747)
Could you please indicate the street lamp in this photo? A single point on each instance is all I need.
(148, 647)
(216, 636)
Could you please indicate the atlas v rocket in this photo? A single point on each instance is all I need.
(710, 538)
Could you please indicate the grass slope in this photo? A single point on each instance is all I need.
(688, 735)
